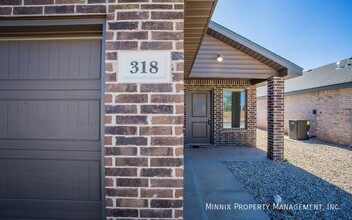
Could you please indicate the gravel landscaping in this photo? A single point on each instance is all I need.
(317, 173)
(331, 162)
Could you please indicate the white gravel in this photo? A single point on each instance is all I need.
(331, 162)
(316, 173)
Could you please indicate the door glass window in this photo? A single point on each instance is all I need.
(234, 109)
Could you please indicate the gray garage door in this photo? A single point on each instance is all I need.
(50, 149)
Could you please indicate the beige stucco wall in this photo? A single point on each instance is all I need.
(332, 121)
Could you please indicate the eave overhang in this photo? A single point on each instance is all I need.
(197, 17)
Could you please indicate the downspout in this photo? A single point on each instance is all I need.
(351, 128)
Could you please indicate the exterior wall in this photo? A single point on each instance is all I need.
(276, 108)
(262, 113)
(332, 121)
(143, 122)
(19, 8)
(221, 136)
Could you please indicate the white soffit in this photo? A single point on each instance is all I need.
(235, 64)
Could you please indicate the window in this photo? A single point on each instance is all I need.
(234, 109)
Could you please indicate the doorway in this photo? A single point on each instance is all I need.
(199, 117)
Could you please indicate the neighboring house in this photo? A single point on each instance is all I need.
(322, 95)
(92, 103)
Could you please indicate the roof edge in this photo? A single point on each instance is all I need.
(315, 89)
(204, 33)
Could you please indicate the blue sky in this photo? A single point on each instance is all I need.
(309, 33)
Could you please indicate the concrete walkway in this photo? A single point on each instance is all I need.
(208, 182)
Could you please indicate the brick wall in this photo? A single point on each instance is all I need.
(51, 7)
(143, 122)
(221, 136)
(276, 106)
(332, 121)
(144, 136)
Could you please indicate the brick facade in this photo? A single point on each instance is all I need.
(143, 122)
(221, 136)
(144, 148)
(332, 122)
(275, 108)
(52, 7)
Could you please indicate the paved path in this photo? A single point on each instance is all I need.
(208, 181)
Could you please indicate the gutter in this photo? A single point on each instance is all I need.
(316, 89)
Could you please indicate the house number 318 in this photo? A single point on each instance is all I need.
(141, 67)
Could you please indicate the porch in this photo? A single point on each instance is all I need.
(208, 184)
(220, 92)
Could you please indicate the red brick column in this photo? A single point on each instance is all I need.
(276, 103)
(144, 121)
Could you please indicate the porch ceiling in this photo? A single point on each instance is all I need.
(197, 18)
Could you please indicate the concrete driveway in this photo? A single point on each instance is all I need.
(211, 191)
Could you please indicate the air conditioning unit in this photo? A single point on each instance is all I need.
(299, 129)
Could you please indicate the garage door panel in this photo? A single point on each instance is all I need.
(3, 118)
(50, 59)
(49, 94)
(21, 85)
(32, 119)
(33, 67)
(39, 179)
(64, 60)
(50, 147)
(83, 117)
(42, 117)
(62, 124)
(89, 189)
(23, 60)
(51, 120)
(22, 127)
(58, 145)
(94, 181)
(4, 60)
(13, 60)
(35, 214)
(50, 154)
(83, 178)
(54, 57)
(13, 117)
(36, 209)
(3, 178)
(94, 67)
(49, 205)
(94, 119)
(43, 61)
(84, 59)
(73, 62)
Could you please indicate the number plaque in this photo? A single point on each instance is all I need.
(143, 66)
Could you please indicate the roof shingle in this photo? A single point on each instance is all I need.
(323, 76)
